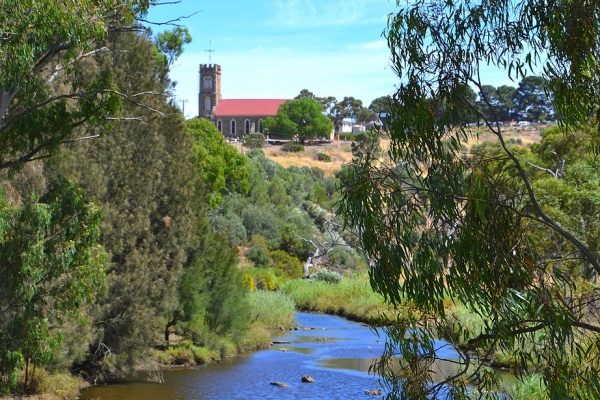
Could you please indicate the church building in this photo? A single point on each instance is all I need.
(234, 118)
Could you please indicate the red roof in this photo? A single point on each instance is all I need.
(248, 107)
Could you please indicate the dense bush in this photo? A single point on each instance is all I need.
(287, 263)
(254, 140)
(323, 157)
(346, 136)
(292, 147)
(326, 275)
(231, 227)
(258, 255)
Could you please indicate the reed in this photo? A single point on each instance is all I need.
(270, 310)
(352, 298)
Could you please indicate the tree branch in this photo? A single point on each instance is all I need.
(170, 22)
(130, 98)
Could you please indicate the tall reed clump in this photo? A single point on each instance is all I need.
(270, 310)
(352, 298)
(531, 388)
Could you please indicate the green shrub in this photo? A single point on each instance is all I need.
(185, 353)
(292, 147)
(258, 255)
(287, 263)
(326, 275)
(346, 136)
(323, 157)
(264, 278)
(61, 385)
(254, 140)
(255, 153)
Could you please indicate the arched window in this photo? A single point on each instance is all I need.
(208, 82)
(260, 127)
(233, 126)
(247, 126)
(207, 104)
(219, 127)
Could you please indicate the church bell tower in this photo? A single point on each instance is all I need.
(210, 89)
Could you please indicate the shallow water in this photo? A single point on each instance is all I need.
(335, 352)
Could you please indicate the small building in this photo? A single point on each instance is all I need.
(347, 126)
(234, 118)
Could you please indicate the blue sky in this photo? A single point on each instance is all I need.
(276, 48)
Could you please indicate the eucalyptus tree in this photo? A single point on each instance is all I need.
(43, 40)
(439, 228)
(51, 264)
(380, 105)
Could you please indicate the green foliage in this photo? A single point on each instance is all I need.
(254, 140)
(62, 385)
(271, 310)
(42, 42)
(346, 136)
(221, 167)
(265, 278)
(186, 353)
(352, 297)
(230, 227)
(227, 308)
(170, 43)
(302, 117)
(287, 263)
(325, 275)
(52, 264)
(341, 258)
(380, 105)
(532, 388)
(323, 157)
(258, 255)
(262, 221)
(292, 147)
(367, 143)
(484, 231)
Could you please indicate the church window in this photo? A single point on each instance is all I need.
(233, 127)
(219, 126)
(207, 103)
(247, 126)
(208, 82)
(260, 127)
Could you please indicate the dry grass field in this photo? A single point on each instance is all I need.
(341, 151)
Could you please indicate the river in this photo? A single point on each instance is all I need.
(335, 352)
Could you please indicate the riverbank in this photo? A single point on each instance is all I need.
(351, 298)
(272, 313)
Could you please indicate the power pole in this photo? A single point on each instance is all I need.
(183, 106)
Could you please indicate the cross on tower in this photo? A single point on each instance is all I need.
(209, 51)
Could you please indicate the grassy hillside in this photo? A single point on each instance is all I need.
(341, 151)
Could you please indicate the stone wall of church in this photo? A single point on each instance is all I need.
(241, 128)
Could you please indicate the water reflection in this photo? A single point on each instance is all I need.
(335, 352)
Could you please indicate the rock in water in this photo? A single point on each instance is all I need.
(373, 392)
(280, 384)
(306, 378)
